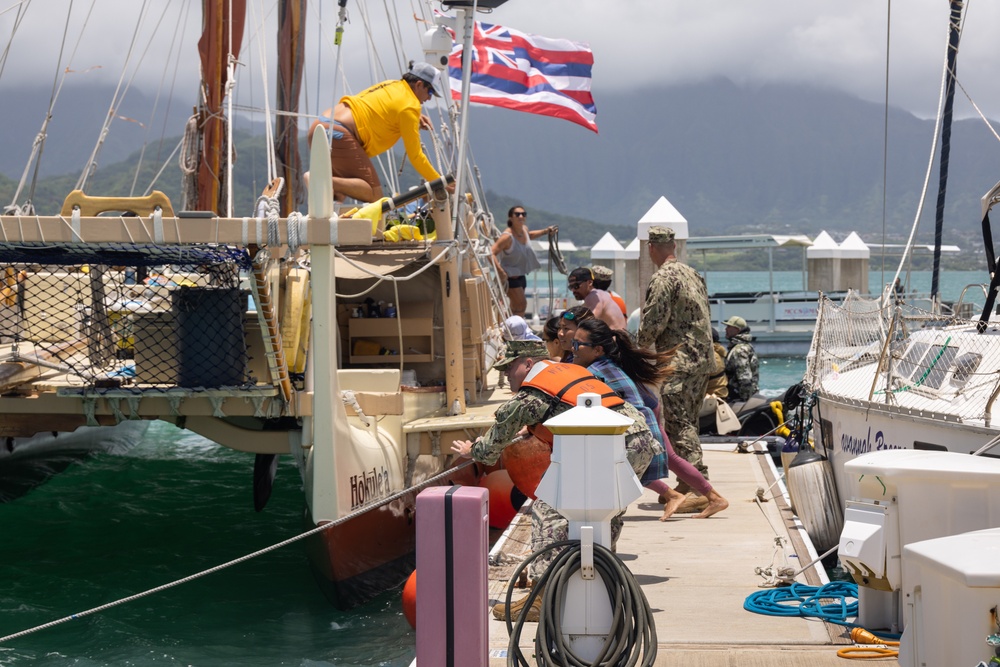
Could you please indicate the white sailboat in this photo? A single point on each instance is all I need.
(904, 402)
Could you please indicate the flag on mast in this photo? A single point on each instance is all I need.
(524, 72)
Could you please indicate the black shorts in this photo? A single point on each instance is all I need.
(517, 281)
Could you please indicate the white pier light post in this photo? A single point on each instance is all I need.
(589, 481)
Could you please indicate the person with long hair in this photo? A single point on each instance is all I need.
(568, 322)
(544, 389)
(613, 358)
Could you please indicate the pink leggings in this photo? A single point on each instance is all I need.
(685, 472)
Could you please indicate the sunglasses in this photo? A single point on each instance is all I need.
(577, 344)
(572, 285)
(520, 214)
(569, 316)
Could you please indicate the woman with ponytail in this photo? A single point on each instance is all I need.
(636, 373)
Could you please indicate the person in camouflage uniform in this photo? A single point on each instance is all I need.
(741, 360)
(530, 406)
(718, 384)
(676, 314)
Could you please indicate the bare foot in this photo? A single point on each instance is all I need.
(716, 504)
(673, 501)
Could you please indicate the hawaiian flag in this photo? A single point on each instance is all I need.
(524, 72)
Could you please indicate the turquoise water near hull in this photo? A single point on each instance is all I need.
(115, 525)
(779, 373)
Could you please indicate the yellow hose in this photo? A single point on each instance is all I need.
(876, 648)
(778, 411)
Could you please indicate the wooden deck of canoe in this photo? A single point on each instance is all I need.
(696, 574)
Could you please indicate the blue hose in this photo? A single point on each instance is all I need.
(802, 600)
(806, 601)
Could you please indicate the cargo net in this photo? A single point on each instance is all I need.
(934, 364)
(120, 315)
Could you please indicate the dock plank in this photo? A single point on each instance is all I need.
(696, 574)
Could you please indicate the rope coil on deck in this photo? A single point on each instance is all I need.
(808, 602)
(805, 601)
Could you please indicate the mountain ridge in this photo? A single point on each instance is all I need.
(730, 158)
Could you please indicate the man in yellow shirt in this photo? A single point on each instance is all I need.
(370, 123)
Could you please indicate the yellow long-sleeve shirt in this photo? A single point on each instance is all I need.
(383, 114)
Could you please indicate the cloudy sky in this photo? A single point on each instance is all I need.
(831, 43)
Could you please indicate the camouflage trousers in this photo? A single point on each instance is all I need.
(682, 395)
(549, 526)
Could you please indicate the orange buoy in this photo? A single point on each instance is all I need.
(526, 461)
(469, 475)
(502, 509)
(410, 600)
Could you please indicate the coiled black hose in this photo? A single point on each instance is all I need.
(632, 639)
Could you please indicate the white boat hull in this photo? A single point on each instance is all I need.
(847, 430)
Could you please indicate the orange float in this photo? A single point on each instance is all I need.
(526, 460)
(502, 509)
(410, 600)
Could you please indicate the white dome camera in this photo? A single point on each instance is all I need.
(437, 46)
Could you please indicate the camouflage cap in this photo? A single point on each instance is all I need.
(660, 234)
(520, 348)
(602, 272)
(736, 321)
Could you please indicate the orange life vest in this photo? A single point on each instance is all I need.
(566, 382)
(617, 298)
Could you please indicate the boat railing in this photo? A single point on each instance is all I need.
(904, 359)
(766, 309)
(967, 310)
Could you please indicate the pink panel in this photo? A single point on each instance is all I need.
(452, 589)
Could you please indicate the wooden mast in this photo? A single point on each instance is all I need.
(214, 48)
(291, 51)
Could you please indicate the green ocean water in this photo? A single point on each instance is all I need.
(112, 526)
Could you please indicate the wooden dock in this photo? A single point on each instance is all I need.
(696, 574)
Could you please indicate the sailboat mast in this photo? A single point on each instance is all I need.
(291, 52)
(467, 21)
(954, 34)
(222, 34)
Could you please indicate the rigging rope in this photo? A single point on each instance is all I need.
(930, 165)
(268, 130)
(116, 99)
(22, 9)
(381, 278)
(556, 258)
(318, 529)
(885, 134)
(39, 143)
